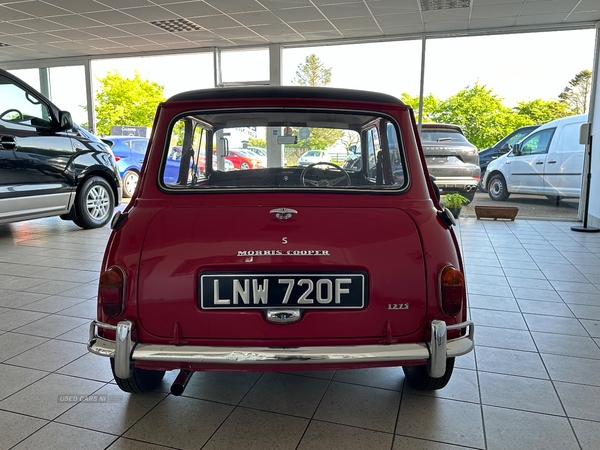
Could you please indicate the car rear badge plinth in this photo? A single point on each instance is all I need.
(283, 316)
(283, 213)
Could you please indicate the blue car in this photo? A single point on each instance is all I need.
(129, 152)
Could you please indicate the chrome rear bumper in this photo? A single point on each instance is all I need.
(433, 353)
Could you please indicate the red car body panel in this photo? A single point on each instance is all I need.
(168, 240)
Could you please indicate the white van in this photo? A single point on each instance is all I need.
(548, 161)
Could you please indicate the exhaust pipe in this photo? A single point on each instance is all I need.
(181, 381)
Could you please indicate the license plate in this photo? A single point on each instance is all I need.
(269, 290)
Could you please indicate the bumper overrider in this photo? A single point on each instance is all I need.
(125, 351)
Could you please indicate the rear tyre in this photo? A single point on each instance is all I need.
(94, 204)
(418, 377)
(140, 381)
(130, 181)
(244, 166)
(497, 189)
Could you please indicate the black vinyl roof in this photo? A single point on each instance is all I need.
(286, 92)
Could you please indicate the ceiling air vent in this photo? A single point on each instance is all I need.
(177, 25)
(432, 5)
(2, 44)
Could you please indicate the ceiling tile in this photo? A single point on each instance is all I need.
(41, 25)
(549, 7)
(345, 10)
(129, 3)
(234, 33)
(74, 35)
(256, 18)
(106, 32)
(590, 16)
(78, 6)
(398, 19)
(140, 29)
(501, 22)
(356, 23)
(543, 19)
(275, 5)
(299, 14)
(192, 9)
(215, 22)
(313, 26)
(75, 21)
(235, 6)
(37, 8)
(111, 18)
(15, 28)
(271, 30)
(392, 7)
(150, 13)
(496, 11)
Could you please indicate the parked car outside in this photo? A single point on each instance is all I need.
(500, 148)
(312, 157)
(548, 161)
(244, 159)
(263, 152)
(49, 165)
(129, 152)
(300, 288)
(451, 159)
(196, 165)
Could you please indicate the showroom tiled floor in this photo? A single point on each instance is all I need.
(533, 381)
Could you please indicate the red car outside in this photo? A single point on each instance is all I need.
(335, 269)
(244, 160)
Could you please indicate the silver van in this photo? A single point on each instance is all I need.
(548, 161)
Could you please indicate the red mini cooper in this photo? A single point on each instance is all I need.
(282, 268)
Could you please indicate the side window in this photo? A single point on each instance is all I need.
(373, 149)
(185, 159)
(537, 143)
(19, 108)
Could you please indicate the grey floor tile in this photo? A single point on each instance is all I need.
(493, 302)
(16, 427)
(49, 356)
(86, 310)
(466, 361)
(245, 429)
(484, 289)
(52, 304)
(550, 324)
(51, 287)
(578, 298)
(592, 327)
(79, 334)
(383, 377)
(441, 420)
(286, 394)
(66, 438)
(44, 398)
(510, 362)
(463, 386)
(406, 443)
(12, 344)
(181, 422)
(560, 344)
(517, 392)
(222, 387)
(508, 429)
(110, 410)
(580, 402)
(16, 318)
(51, 326)
(16, 378)
(130, 444)
(359, 406)
(569, 286)
(545, 308)
(499, 319)
(530, 283)
(536, 294)
(331, 436)
(18, 299)
(580, 311)
(588, 433)
(90, 366)
(573, 370)
(504, 338)
(64, 274)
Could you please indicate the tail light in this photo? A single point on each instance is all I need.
(117, 158)
(110, 293)
(452, 287)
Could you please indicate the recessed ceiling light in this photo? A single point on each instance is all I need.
(432, 5)
(177, 25)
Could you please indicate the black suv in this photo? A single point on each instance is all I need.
(451, 159)
(49, 165)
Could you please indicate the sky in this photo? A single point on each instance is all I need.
(517, 67)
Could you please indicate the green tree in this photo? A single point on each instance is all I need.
(431, 106)
(312, 73)
(577, 94)
(539, 111)
(126, 101)
(257, 142)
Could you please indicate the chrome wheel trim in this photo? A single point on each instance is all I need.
(130, 181)
(98, 203)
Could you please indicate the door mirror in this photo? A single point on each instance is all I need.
(65, 120)
(516, 149)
